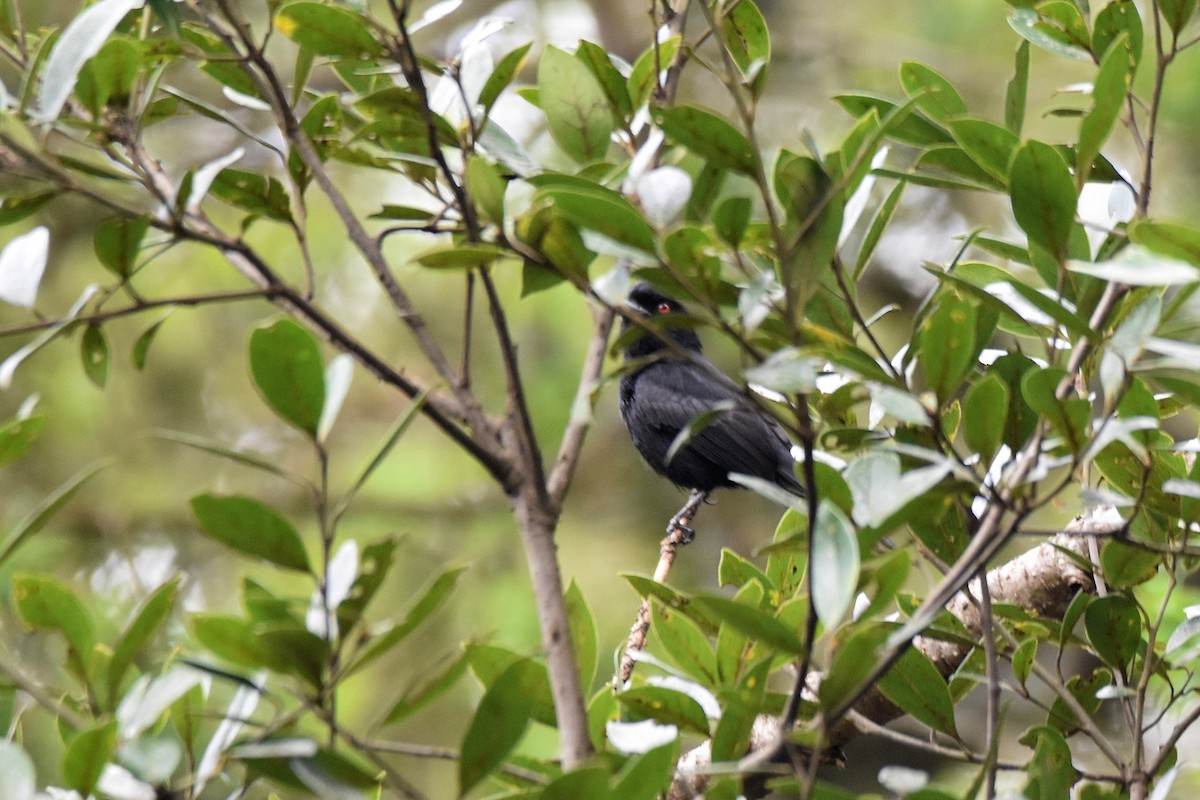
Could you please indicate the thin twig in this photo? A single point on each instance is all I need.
(678, 533)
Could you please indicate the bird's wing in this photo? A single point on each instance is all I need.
(673, 394)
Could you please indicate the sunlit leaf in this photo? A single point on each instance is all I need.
(22, 264)
(835, 564)
(18, 781)
(577, 109)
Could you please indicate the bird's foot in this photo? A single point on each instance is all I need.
(686, 533)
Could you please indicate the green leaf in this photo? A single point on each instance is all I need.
(250, 527)
(141, 347)
(1108, 98)
(835, 564)
(498, 724)
(429, 601)
(36, 519)
(117, 242)
(234, 640)
(947, 344)
(666, 706)
(285, 362)
(597, 59)
(82, 39)
(855, 650)
(731, 219)
(1126, 565)
(1068, 417)
(1051, 775)
(753, 622)
(583, 634)
(1043, 197)
(16, 436)
(708, 136)
(917, 688)
(935, 95)
(648, 587)
(1017, 91)
(1114, 627)
(875, 230)
(15, 208)
(18, 781)
(744, 32)
(984, 408)
(647, 776)
(109, 76)
(989, 145)
(643, 78)
(909, 127)
(435, 684)
(328, 30)
(43, 603)
(301, 652)
(93, 351)
(1175, 241)
(257, 194)
(149, 619)
(1023, 658)
(486, 188)
(601, 210)
(502, 76)
(576, 107)
(462, 256)
(685, 644)
(1066, 37)
(87, 755)
(1177, 13)
(1114, 20)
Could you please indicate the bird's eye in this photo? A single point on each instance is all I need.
(664, 308)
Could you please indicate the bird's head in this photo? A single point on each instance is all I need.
(665, 314)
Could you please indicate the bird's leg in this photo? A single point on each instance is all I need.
(678, 528)
(678, 533)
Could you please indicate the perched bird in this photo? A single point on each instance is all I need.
(666, 389)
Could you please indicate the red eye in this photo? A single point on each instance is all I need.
(664, 308)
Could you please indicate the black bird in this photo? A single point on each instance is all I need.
(668, 388)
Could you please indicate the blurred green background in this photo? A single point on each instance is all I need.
(131, 528)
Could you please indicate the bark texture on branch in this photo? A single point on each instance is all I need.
(1042, 581)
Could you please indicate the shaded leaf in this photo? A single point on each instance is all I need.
(117, 242)
(916, 687)
(667, 706)
(498, 724)
(93, 351)
(251, 527)
(328, 30)
(1043, 197)
(150, 617)
(708, 136)
(86, 756)
(285, 362)
(46, 604)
